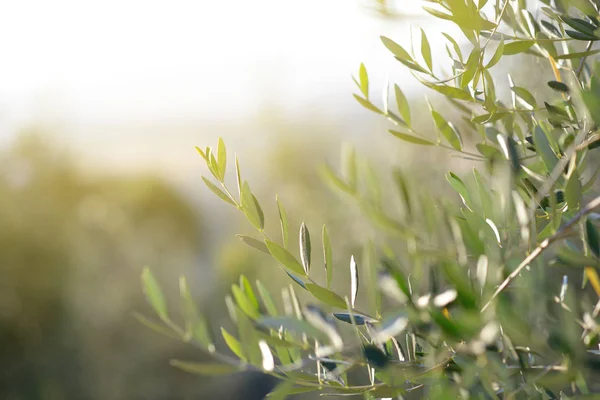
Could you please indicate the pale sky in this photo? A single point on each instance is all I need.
(122, 62)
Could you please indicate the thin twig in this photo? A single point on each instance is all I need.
(592, 205)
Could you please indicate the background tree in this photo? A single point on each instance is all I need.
(495, 296)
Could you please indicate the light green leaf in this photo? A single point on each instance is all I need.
(471, 67)
(195, 324)
(367, 104)
(238, 176)
(450, 91)
(284, 222)
(426, 50)
(251, 208)
(402, 103)
(266, 298)
(156, 327)
(244, 303)
(255, 243)
(396, 49)
(447, 130)
(305, 248)
(208, 369)
(222, 195)
(293, 325)
(364, 80)
(248, 291)
(154, 294)
(411, 139)
(285, 258)
(517, 47)
(326, 295)
(221, 159)
(497, 55)
(458, 185)
(525, 95)
(233, 344)
(577, 55)
(327, 255)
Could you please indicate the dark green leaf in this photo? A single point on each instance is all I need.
(558, 86)
(573, 191)
(592, 237)
(359, 319)
(375, 357)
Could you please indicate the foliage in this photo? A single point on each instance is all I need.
(493, 297)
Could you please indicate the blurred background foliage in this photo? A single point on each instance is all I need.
(77, 227)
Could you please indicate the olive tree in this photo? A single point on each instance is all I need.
(495, 295)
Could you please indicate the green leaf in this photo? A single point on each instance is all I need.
(525, 95)
(353, 281)
(402, 103)
(255, 243)
(411, 139)
(367, 104)
(266, 298)
(577, 55)
(460, 187)
(497, 55)
(284, 222)
(156, 327)
(447, 130)
(450, 91)
(375, 357)
(195, 325)
(358, 319)
(248, 291)
(573, 191)
(251, 208)
(154, 294)
(471, 67)
(238, 176)
(326, 295)
(233, 344)
(222, 195)
(221, 159)
(327, 255)
(558, 86)
(396, 49)
(293, 325)
(202, 153)
(426, 50)
(437, 13)
(542, 146)
(517, 47)
(285, 258)
(592, 237)
(244, 303)
(305, 249)
(364, 80)
(208, 369)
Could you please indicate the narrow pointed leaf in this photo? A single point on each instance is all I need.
(222, 195)
(285, 258)
(154, 294)
(233, 344)
(592, 237)
(402, 104)
(426, 50)
(327, 256)
(411, 139)
(255, 243)
(221, 159)
(353, 281)
(284, 222)
(251, 208)
(364, 80)
(207, 369)
(326, 296)
(305, 248)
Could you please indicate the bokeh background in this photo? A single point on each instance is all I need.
(101, 105)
